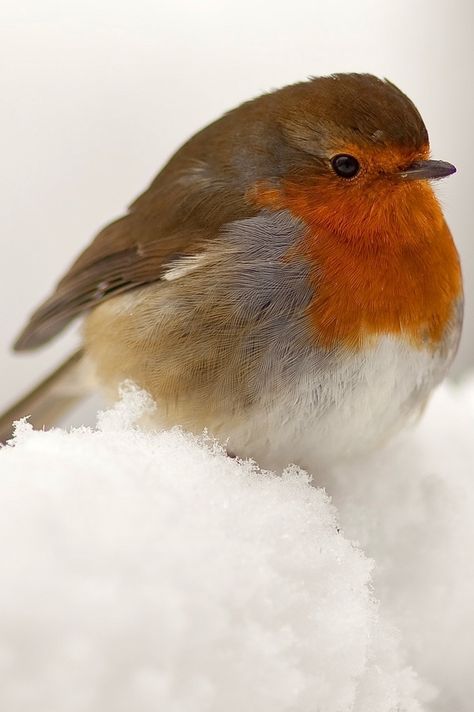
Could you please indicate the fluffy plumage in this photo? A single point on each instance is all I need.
(252, 289)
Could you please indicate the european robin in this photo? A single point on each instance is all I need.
(287, 281)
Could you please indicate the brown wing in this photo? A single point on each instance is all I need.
(181, 211)
(105, 274)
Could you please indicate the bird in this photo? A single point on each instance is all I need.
(287, 282)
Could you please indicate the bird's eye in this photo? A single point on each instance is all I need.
(345, 166)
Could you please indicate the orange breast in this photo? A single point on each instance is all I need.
(383, 260)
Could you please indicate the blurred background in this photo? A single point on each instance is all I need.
(96, 95)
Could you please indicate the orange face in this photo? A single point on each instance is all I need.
(383, 260)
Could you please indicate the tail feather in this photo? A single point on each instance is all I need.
(50, 400)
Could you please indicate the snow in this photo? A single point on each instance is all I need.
(149, 571)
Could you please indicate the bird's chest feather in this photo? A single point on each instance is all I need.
(383, 324)
(390, 321)
(381, 262)
(408, 291)
(326, 413)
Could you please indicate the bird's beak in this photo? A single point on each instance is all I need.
(427, 170)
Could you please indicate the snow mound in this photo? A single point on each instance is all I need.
(149, 571)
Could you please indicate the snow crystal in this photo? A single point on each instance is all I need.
(148, 571)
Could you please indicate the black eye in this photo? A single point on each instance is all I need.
(345, 166)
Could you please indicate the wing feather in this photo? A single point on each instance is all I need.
(132, 252)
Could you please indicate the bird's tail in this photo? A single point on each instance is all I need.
(51, 399)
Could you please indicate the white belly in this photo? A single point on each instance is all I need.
(329, 415)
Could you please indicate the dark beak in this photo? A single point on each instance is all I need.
(427, 170)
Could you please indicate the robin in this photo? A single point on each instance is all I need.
(287, 281)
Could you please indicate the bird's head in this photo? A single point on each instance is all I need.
(353, 159)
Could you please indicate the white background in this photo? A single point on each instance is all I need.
(96, 95)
